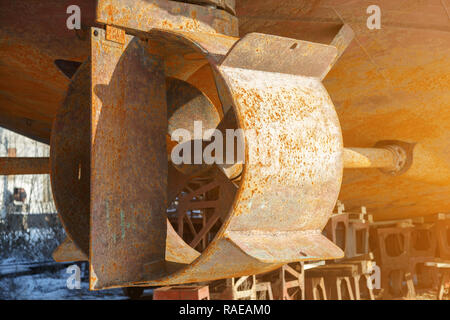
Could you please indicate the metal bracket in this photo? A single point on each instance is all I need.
(115, 34)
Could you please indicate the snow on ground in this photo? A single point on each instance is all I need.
(30, 245)
(50, 286)
(19, 252)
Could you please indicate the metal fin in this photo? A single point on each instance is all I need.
(128, 162)
(284, 247)
(270, 53)
(67, 251)
(342, 40)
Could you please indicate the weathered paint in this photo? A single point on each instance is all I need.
(254, 234)
(390, 84)
(228, 5)
(145, 15)
(32, 88)
(67, 251)
(33, 34)
(128, 160)
(70, 159)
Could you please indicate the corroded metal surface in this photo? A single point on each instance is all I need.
(368, 158)
(186, 104)
(261, 52)
(276, 215)
(293, 166)
(342, 40)
(202, 80)
(228, 5)
(69, 150)
(70, 159)
(13, 165)
(33, 129)
(33, 35)
(390, 84)
(128, 161)
(171, 15)
(67, 251)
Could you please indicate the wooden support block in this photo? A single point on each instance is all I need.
(426, 276)
(356, 286)
(315, 288)
(442, 286)
(438, 263)
(364, 266)
(336, 230)
(418, 220)
(362, 257)
(360, 216)
(357, 238)
(340, 207)
(411, 293)
(403, 223)
(312, 265)
(333, 270)
(339, 288)
(246, 287)
(436, 217)
(365, 279)
(182, 293)
(442, 228)
(347, 287)
(243, 287)
(292, 282)
(352, 219)
(356, 217)
(265, 287)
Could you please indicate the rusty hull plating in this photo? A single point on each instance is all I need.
(390, 84)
